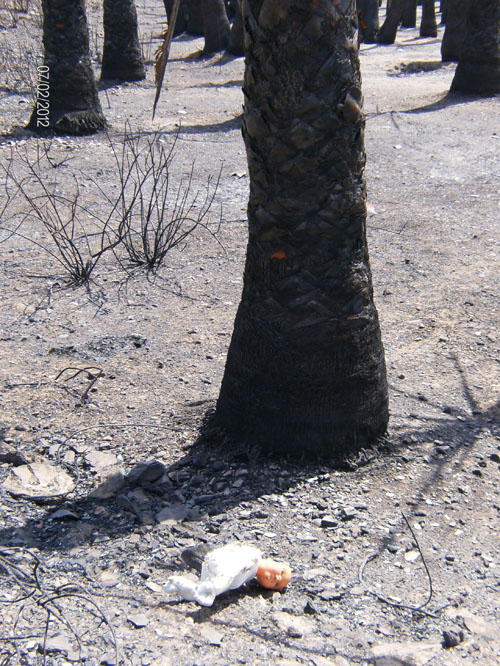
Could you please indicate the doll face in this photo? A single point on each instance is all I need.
(273, 575)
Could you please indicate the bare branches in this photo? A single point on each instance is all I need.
(42, 611)
(155, 215)
(148, 216)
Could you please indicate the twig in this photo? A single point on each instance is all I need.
(93, 377)
(52, 601)
(380, 597)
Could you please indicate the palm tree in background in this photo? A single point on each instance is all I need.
(71, 95)
(478, 69)
(122, 56)
(305, 371)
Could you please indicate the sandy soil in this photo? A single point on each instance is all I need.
(433, 173)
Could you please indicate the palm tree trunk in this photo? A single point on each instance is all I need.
(305, 371)
(195, 18)
(478, 69)
(69, 97)
(368, 20)
(236, 43)
(428, 25)
(181, 21)
(443, 8)
(216, 26)
(409, 19)
(454, 32)
(389, 29)
(122, 57)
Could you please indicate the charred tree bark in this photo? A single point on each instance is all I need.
(443, 8)
(478, 69)
(69, 97)
(216, 25)
(195, 18)
(236, 43)
(305, 372)
(409, 19)
(454, 32)
(428, 25)
(368, 20)
(181, 21)
(389, 29)
(122, 57)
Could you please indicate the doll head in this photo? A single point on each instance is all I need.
(273, 575)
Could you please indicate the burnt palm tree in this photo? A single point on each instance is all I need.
(389, 29)
(409, 18)
(454, 33)
(428, 25)
(305, 371)
(478, 69)
(216, 25)
(67, 99)
(121, 56)
(368, 20)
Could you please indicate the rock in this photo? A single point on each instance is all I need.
(331, 593)
(38, 479)
(452, 637)
(310, 608)
(348, 513)
(109, 481)
(64, 514)
(335, 660)
(154, 587)
(405, 654)
(172, 512)
(329, 521)
(211, 635)
(475, 624)
(317, 572)
(146, 472)
(100, 459)
(11, 456)
(293, 626)
(138, 621)
(56, 643)
(110, 578)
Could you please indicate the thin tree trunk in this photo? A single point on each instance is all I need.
(236, 43)
(216, 25)
(443, 8)
(68, 99)
(195, 18)
(305, 371)
(478, 69)
(122, 56)
(368, 20)
(428, 25)
(409, 19)
(454, 32)
(181, 21)
(389, 29)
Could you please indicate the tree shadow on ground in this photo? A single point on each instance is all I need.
(211, 128)
(459, 434)
(235, 83)
(450, 99)
(216, 475)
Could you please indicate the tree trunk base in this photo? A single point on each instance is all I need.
(111, 72)
(477, 77)
(70, 122)
(313, 406)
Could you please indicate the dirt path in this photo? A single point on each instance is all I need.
(433, 174)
